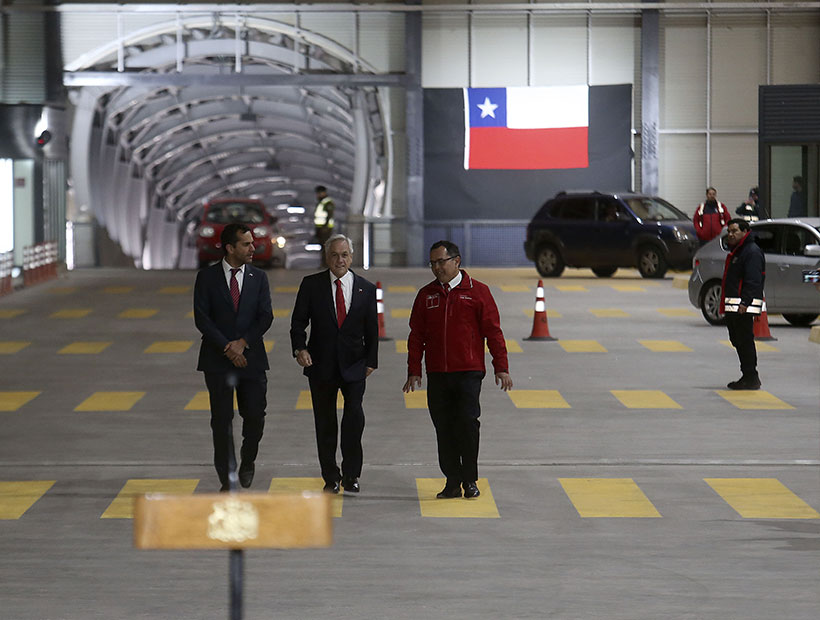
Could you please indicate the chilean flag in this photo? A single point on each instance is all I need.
(526, 128)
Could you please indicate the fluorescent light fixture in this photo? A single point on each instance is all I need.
(6, 205)
(296, 209)
(313, 247)
(69, 245)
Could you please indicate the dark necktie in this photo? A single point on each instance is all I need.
(235, 289)
(446, 288)
(341, 313)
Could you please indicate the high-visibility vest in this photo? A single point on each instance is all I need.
(321, 217)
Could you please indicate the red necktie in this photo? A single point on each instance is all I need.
(341, 313)
(234, 289)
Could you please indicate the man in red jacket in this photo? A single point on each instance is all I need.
(451, 318)
(710, 217)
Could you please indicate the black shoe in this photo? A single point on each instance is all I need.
(745, 383)
(331, 487)
(449, 492)
(471, 490)
(350, 484)
(246, 471)
(224, 488)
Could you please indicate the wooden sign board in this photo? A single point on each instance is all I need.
(233, 521)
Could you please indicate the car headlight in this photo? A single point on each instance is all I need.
(280, 241)
(207, 231)
(260, 231)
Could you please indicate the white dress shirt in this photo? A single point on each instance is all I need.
(347, 288)
(455, 281)
(240, 275)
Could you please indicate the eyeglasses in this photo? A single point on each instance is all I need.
(440, 263)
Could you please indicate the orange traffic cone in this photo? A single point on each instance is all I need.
(761, 325)
(380, 311)
(540, 328)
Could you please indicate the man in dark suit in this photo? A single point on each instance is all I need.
(232, 309)
(340, 307)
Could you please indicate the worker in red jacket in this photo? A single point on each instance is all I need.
(710, 217)
(452, 317)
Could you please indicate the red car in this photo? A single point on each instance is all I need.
(268, 243)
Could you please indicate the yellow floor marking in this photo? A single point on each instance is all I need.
(11, 313)
(551, 314)
(123, 505)
(754, 399)
(401, 346)
(515, 288)
(608, 497)
(297, 485)
(628, 288)
(84, 348)
(571, 288)
(609, 312)
(170, 346)
(110, 401)
(481, 507)
(761, 498)
(12, 346)
(12, 401)
(285, 289)
(512, 347)
(71, 313)
(175, 290)
(761, 347)
(63, 290)
(137, 313)
(582, 346)
(538, 399)
(201, 402)
(304, 402)
(269, 345)
(673, 312)
(416, 400)
(118, 290)
(645, 399)
(401, 289)
(281, 313)
(18, 496)
(664, 346)
(400, 313)
(189, 314)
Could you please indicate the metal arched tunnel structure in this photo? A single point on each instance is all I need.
(146, 157)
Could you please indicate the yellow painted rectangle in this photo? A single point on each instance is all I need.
(603, 313)
(201, 402)
(84, 348)
(401, 289)
(481, 507)
(665, 346)
(304, 402)
(63, 290)
(269, 345)
(11, 347)
(761, 498)
(175, 290)
(189, 314)
(581, 346)
(515, 288)
(551, 314)
(400, 313)
(512, 346)
(675, 312)
(761, 347)
(538, 399)
(118, 290)
(12, 401)
(754, 399)
(281, 313)
(629, 288)
(169, 346)
(10, 313)
(285, 289)
(645, 399)
(416, 400)
(297, 485)
(123, 505)
(608, 498)
(17, 496)
(71, 313)
(401, 346)
(137, 313)
(110, 401)
(570, 288)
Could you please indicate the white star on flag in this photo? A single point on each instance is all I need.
(487, 108)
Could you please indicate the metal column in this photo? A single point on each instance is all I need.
(650, 100)
(415, 139)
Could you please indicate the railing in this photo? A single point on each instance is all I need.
(39, 262)
(6, 265)
(483, 243)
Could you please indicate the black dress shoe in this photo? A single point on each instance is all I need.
(745, 383)
(331, 487)
(246, 472)
(224, 488)
(350, 484)
(471, 490)
(449, 492)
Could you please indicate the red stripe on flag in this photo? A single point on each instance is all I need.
(499, 148)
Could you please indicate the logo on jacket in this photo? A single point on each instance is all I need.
(433, 301)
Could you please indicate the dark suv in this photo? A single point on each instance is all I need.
(606, 231)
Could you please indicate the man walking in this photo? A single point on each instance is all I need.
(710, 217)
(232, 309)
(452, 317)
(323, 221)
(742, 299)
(340, 308)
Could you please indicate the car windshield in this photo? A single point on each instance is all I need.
(227, 212)
(654, 209)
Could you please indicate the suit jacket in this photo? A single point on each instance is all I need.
(345, 351)
(215, 317)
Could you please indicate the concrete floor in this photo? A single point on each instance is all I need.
(698, 557)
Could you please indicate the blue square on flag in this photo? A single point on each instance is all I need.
(526, 128)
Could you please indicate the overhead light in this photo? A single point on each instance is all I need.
(296, 209)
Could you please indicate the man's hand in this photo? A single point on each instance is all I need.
(505, 380)
(741, 309)
(412, 383)
(368, 371)
(235, 347)
(239, 361)
(303, 358)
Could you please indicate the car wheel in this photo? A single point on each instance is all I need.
(548, 262)
(800, 320)
(604, 272)
(651, 262)
(710, 303)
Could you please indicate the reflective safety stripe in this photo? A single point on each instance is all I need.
(540, 306)
(379, 294)
(379, 307)
(539, 292)
(757, 306)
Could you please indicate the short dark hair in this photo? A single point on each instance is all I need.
(320, 188)
(452, 248)
(798, 179)
(230, 235)
(742, 224)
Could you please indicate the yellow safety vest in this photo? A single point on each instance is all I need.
(321, 217)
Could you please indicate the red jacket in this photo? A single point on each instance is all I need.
(709, 225)
(449, 329)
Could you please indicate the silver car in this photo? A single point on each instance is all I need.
(791, 246)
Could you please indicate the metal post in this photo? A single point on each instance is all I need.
(414, 117)
(650, 100)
